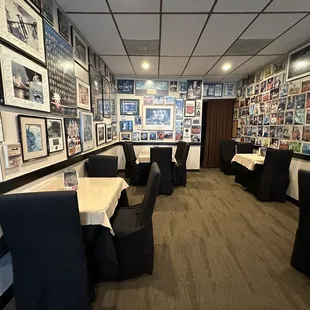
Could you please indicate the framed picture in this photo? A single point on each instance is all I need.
(107, 108)
(108, 133)
(298, 63)
(100, 134)
(114, 132)
(157, 117)
(36, 4)
(96, 88)
(113, 104)
(54, 135)
(106, 89)
(33, 137)
(71, 179)
(194, 89)
(148, 100)
(229, 89)
(91, 57)
(279, 66)
(151, 87)
(169, 100)
(182, 86)
(107, 73)
(97, 62)
(25, 83)
(125, 86)
(173, 86)
(125, 136)
(12, 155)
(268, 71)
(218, 90)
(63, 24)
(80, 49)
(102, 67)
(211, 90)
(61, 73)
(82, 95)
(258, 77)
(47, 10)
(190, 108)
(129, 106)
(126, 125)
(86, 123)
(73, 136)
(30, 40)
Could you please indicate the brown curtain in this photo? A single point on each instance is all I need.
(219, 127)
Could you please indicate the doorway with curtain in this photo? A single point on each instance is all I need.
(217, 122)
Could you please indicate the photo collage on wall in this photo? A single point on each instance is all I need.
(156, 110)
(49, 67)
(273, 108)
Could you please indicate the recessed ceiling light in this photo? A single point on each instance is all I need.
(145, 65)
(226, 67)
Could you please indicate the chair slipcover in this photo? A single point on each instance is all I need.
(245, 148)
(134, 242)
(133, 168)
(271, 183)
(163, 157)
(180, 150)
(180, 175)
(101, 166)
(300, 259)
(227, 152)
(43, 233)
(127, 163)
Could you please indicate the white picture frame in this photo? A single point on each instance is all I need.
(15, 77)
(87, 135)
(101, 133)
(82, 95)
(80, 49)
(158, 117)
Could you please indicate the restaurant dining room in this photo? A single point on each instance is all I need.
(154, 154)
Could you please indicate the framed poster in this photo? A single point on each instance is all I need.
(102, 67)
(194, 89)
(82, 95)
(125, 136)
(25, 83)
(298, 63)
(129, 106)
(108, 133)
(229, 89)
(80, 49)
(151, 87)
(114, 132)
(107, 108)
(182, 86)
(125, 86)
(63, 24)
(96, 94)
(86, 123)
(28, 39)
(12, 155)
(73, 136)
(113, 103)
(91, 57)
(126, 125)
(218, 90)
(190, 108)
(279, 66)
(211, 90)
(157, 117)
(173, 86)
(47, 10)
(54, 135)
(97, 62)
(106, 89)
(33, 137)
(61, 74)
(100, 134)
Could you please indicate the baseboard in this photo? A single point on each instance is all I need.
(193, 170)
(6, 297)
(292, 200)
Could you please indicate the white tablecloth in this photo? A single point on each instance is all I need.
(249, 160)
(144, 157)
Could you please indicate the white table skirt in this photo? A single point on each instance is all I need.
(144, 157)
(249, 160)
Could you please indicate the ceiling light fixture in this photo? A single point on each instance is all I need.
(145, 65)
(226, 67)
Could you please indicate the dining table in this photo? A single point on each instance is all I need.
(144, 157)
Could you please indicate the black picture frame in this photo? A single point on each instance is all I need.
(96, 93)
(98, 141)
(136, 102)
(211, 90)
(91, 57)
(218, 90)
(125, 86)
(187, 112)
(47, 10)
(128, 124)
(63, 24)
(48, 139)
(75, 135)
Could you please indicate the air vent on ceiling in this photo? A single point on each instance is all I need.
(247, 47)
(142, 47)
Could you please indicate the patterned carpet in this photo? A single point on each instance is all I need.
(216, 247)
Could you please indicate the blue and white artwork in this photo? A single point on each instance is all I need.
(170, 100)
(158, 100)
(306, 148)
(125, 86)
(158, 117)
(179, 103)
(126, 125)
(34, 138)
(129, 106)
(138, 120)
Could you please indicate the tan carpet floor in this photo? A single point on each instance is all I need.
(216, 247)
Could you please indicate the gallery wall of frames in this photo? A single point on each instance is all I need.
(58, 98)
(159, 110)
(273, 105)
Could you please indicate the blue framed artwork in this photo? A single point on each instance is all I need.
(158, 117)
(129, 106)
(126, 125)
(151, 87)
(125, 86)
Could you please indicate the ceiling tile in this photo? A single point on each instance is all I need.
(180, 33)
(83, 6)
(138, 27)
(134, 5)
(200, 65)
(254, 64)
(213, 78)
(137, 62)
(240, 5)
(289, 6)
(118, 64)
(187, 6)
(232, 78)
(100, 32)
(172, 65)
(226, 27)
(270, 26)
(289, 40)
(235, 62)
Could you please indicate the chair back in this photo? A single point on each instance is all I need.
(228, 149)
(180, 150)
(151, 192)
(101, 166)
(43, 233)
(131, 153)
(125, 151)
(277, 161)
(304, 199)
(245, 148)
(185, 154)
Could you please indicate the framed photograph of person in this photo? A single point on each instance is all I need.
(73, 136)
(210, 90)
(182, 86)
(229, 89)
(189, 108)
(91, 57)
(158, 117)
(268, 71)
(298, 63)
(129, 106)
(125, 136)
(82, 95)
(86, 123)
(80, 49)
(173, 86)
(33, 137)
(125, 86)
(63, 24)
(30, 40)
(54, 135)
(194, 89)
(218, 90)
(100, 134)
(108, 131)
(279, 66)
(71, 179)
(25, 83)
(126, 125)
